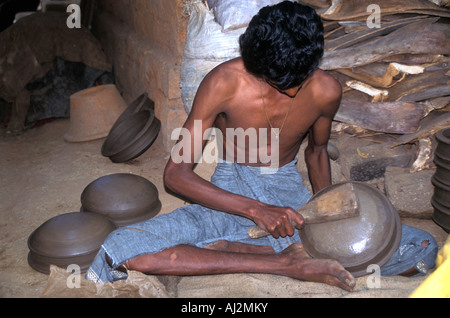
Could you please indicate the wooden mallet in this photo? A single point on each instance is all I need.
(337, 203)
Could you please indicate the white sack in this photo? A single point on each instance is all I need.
(234, 14)
(210, 43)
(206, 47)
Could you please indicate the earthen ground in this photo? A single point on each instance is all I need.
(42, 176)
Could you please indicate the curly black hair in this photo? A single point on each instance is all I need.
(283, 44)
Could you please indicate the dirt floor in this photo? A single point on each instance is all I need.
(42, 176)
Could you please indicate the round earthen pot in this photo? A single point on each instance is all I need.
(124, 198)
(370, 238)
(441, 215)
(139, 104)
(441, 192)
(131, 136)
(441, 203)
(442, 170)
(441, 181)
(443, 143)
(72, 238)
(439, 208)
(441, 219)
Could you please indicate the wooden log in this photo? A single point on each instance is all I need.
(415, 59)
(317, 4)
(366, 34)
(387, 117)
(378, 95)
(421, 37)
(390, 75)
(344, 10)
(428, 127)
(438, 103)
(425, 156)
(421, 87)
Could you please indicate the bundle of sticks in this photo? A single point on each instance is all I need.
(392, 60)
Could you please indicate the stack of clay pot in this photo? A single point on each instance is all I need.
(66, 239)
(123, 198)
(133, 133)
(441, 180)
(108, 203)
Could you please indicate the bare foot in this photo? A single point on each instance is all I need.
(302, 266)
(305, 268)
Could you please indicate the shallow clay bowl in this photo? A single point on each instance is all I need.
(124, 198)
(442, 170)
(370, 238)
(72, 238)
(140, 103)
(441, 218)
(441, 192)
(131, 136)
(443, 139)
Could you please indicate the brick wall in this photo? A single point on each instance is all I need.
(144, 40)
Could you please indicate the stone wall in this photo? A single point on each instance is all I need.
(144, 41)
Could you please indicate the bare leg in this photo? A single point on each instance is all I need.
(226, 246)
(188, 260)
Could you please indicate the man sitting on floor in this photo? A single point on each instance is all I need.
(275, 87)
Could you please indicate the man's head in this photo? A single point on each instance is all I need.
(283, 44)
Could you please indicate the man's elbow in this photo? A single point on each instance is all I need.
(170, 177)
(315, 152)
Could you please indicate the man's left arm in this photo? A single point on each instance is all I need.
(316, 154)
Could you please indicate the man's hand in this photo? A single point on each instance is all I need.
(278, 221)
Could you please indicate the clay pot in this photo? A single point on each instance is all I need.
(441, 192)
(93, 112)
(441, 180)
(140, 103)
(441, 204)
(439, 208)
(442, 219)
(72, 238)
(370, 238)
(441, 215)
(131, 136)
(124, 198)
(442, 174)
(443, 146)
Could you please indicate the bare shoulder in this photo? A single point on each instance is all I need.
(216, 88)
(326, 90)
(222, 73)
